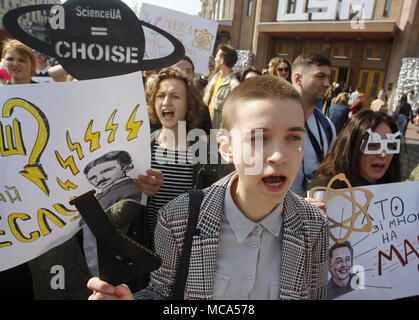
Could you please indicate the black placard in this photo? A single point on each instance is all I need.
(93, 39)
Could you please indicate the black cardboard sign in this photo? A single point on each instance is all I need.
(93, 39)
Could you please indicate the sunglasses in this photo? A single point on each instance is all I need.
(283, 69)
(35, 52)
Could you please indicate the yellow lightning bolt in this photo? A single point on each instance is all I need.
(93, 138)
(67, 185)
(37, 175)
(69, 162)
(74, 146)
(110, 126)
(133, 126)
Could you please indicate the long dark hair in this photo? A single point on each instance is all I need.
(345, 156)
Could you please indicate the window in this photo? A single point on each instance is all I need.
(376, 51)
(387, 8)
(313, 46)
(341, 50)
(291, 6)
(284, 49)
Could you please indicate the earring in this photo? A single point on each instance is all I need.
(300, 149)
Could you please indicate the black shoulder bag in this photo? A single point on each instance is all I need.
(195, 199)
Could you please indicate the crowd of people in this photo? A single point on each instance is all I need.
(249, 225)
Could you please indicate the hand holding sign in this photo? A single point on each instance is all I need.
(93, 39)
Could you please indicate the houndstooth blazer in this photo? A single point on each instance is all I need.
(304, 256)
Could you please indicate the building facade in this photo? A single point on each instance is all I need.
(30, 22)
(366, 40)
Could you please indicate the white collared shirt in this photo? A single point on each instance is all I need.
(249, 254)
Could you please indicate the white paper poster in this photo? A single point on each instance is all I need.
(49, 133)
(197, 35)
(377, 232)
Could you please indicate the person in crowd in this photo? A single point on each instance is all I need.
(20, 62)
(327, 101)
(176, 105)
(187, 66)
(249, 72)
(358, 105)
(221, 84)
(340, 265)
(403, 114)
(282, 68)
(339, 111)
(414, 104)
(271, 65)
(246, 221)
(336, 89)
(201, 81)
(310, 77)
(363, 160)
(353, 97)
(412, 101)
(42, 64)
(379, 104)
(382, 92)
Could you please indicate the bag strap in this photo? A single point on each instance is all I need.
(195, 199)
(325, 124)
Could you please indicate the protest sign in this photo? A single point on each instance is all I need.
(197, 34)
(51, 138)
(93, 39)
(376, 229)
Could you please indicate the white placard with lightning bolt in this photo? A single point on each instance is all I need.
(51, 136)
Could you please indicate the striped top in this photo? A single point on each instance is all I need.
(178, 178)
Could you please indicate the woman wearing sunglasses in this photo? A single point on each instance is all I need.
(42, 65)
(282, 68)
(366, 151)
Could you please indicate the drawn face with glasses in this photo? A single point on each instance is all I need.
(378, 150)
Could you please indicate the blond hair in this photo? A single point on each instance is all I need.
(341, 98)
(22, 49)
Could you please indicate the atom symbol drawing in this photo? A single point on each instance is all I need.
(203, 39)
(359, 211)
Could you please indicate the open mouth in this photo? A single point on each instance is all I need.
(168, 113)
(274, 182)
(378, 166)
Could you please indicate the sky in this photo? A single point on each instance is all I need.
(186, 6)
